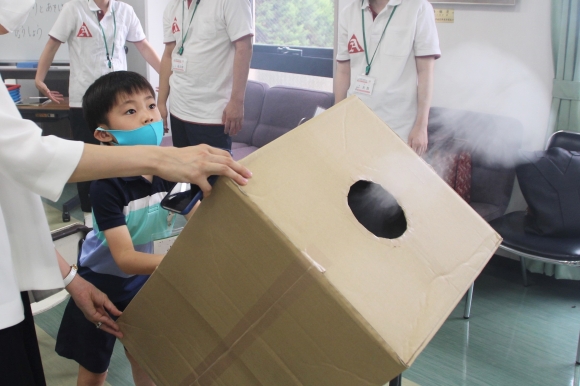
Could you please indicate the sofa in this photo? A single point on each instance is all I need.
(270, 112)
(491, 141)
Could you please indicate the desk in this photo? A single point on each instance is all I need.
(49, 112)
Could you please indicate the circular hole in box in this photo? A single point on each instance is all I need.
(377, 210)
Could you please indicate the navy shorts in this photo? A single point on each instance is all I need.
(191, 134)
(80, 340)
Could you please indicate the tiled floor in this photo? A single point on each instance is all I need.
(516, 335)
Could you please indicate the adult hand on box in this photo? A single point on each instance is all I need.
(194, 164)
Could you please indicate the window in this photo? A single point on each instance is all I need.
(294, 36)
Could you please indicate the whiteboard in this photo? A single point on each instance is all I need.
(28, 41)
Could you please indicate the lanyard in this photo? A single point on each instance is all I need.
(183, 37)
(368, 68)
(109, 57)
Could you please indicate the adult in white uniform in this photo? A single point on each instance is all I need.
(96, 32)
(34, 165)
(208, 48)
(386, 55)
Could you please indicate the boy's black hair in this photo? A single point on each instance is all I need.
(103, 94)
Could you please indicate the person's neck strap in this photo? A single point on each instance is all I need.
(112, 54)
(369, 63)
(184, 36)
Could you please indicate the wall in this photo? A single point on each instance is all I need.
(150, 12)
(498, 60)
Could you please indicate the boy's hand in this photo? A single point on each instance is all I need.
(95, 305)
(195, 164)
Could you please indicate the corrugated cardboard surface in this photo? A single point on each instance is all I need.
(277, 283)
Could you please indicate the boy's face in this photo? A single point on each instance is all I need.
(130, 112)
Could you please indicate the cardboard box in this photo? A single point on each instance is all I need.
(277, 283)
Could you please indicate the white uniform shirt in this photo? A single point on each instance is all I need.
(411, 33)
(201, 92)
(78, 25)
(30, 165)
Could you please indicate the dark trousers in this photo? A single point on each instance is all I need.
(82, 132)
(20, 362)
(190, 134)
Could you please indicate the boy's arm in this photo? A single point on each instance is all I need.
(127, 258)
(44, 63)
(149, 54)
(94, 304)
(164, 74)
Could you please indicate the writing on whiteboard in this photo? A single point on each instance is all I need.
(32, 29)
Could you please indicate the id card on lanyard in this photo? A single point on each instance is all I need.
(364, 83)
(184, 36)
(178, 64)
(109, 60)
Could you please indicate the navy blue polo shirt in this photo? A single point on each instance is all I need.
(130, 201)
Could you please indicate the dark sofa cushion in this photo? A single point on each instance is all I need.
(240, 151)
(284, 108)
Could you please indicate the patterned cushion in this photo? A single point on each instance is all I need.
(455, 169)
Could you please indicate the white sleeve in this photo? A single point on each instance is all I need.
(342, 44)
(167, 23)
(65, 23)
(426, 37)
(238, 19)
(41, 164)
(135, 30)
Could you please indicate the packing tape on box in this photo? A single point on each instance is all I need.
(284, 291)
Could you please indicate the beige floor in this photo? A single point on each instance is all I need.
(54, 217)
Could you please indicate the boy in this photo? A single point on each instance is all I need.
(117, 254)
(96, 32)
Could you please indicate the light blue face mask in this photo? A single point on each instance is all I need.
(150, 134)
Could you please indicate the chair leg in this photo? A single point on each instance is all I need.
(396, 381)
(524, 272)
(468, 298)
(578, 353)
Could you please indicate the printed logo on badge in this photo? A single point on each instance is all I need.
(353, 46)
(84, 32)
(175, 26)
